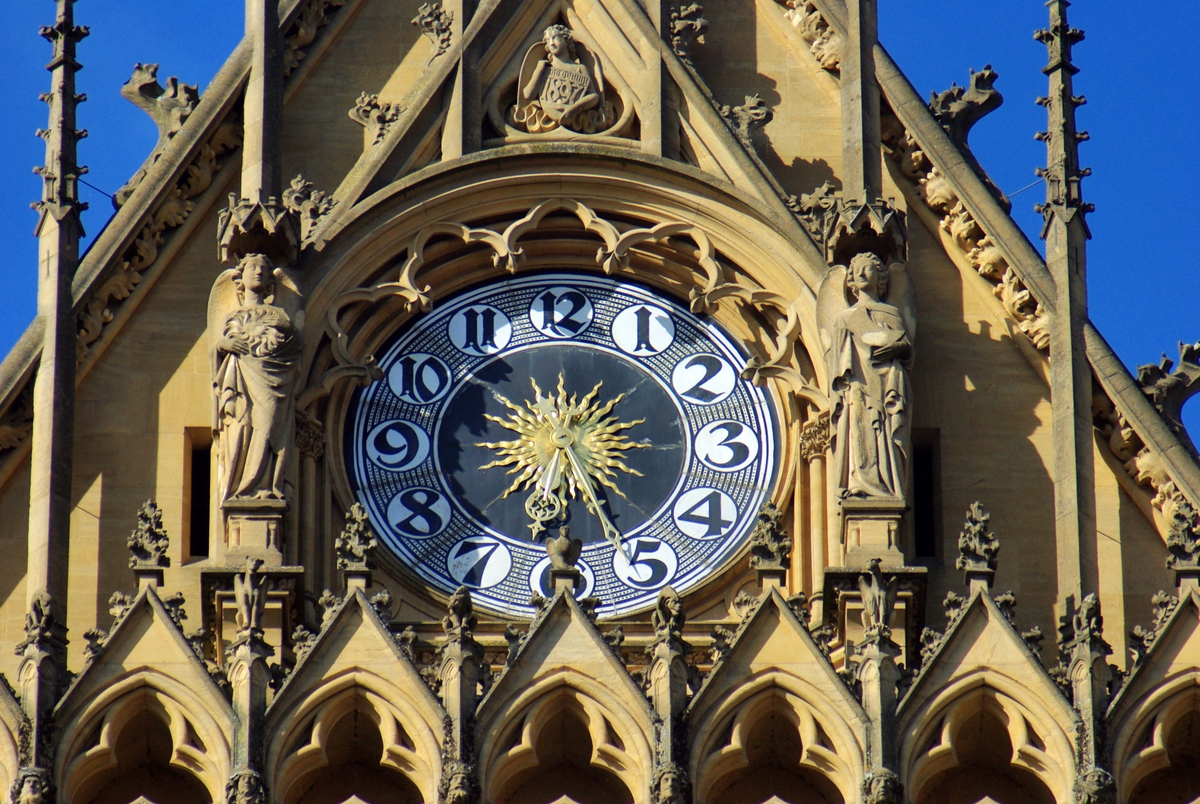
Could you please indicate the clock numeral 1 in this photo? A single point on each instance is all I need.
(705, 513)
(479, 562)
(643, 330)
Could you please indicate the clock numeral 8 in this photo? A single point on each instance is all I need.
(419, 512)
(652, 564)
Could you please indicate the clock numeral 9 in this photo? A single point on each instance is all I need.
(704, 513)
(703, 379)
(479, 562)
(652, 564)
(419, 378)
(561, 312)
(397, 445)
(419, 512)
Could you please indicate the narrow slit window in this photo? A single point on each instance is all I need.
(197, 485)
(926, 503)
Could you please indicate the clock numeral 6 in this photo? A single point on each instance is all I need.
(652, 564)
(726, 446)
(539, 579)
(561, 312)
(419, 512)
(397, 445)
(419, 378)
(704, 513)
(703, 379)
(479, 562)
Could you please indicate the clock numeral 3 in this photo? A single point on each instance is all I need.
(643, 330)
(652, 564)
(705, 513)
(726, 446)
(479, 562)
(480, 330)
(419, 378)
(561, 312)
(703, 379)
(397, 445)
(419, 512)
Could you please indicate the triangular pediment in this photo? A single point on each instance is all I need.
(773, 640)
(1174, 653)
(982, 640)
(355, 640)
(145, 638)
(563, 638)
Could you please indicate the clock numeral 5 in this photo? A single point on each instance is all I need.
(652, 564)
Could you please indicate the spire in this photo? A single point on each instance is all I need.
(1066, 235)
(43, 669)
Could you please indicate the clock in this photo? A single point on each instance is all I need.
(558, 402)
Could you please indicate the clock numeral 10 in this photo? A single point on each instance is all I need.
(419, 378)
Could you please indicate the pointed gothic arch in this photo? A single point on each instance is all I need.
(569, 721)
(984, 729)
(776, 734)
(1156, 747)
(145, 734)
(355, 729)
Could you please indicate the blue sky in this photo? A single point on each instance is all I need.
(1144, 289)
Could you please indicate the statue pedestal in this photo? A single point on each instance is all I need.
(253, 529)
(871, 528)
(844, 608)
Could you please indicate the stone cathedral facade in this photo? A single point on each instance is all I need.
(595, 401)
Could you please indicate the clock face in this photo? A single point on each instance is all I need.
(562, 402)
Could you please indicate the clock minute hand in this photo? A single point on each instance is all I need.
(610, 530)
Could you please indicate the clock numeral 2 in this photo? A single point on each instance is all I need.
(703, 379)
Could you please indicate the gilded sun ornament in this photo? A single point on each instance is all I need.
(564, 447)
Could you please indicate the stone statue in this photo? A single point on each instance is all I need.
(878, 598)
(563, 550)
(250, 594)
(254, 323)
(561, 85)
(867, 320)
(668, 617)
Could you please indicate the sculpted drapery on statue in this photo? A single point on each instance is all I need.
(255, 319)
(867, 321)
(561, 84)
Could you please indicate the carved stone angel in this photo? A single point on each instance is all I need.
(561, 84)
(867, 317)
(254, 324)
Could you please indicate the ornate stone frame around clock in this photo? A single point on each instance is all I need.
(406, 249)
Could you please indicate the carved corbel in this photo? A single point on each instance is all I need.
(309, 206)
(435, 23)
(687, 26)
(743, 120)
(377, 118)
(1170, 390)
(770, 547)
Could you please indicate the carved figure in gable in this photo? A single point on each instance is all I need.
(867, 319)
(255, 321)
(561, 85)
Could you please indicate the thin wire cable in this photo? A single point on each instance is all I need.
(1026, 187)
(94, 187)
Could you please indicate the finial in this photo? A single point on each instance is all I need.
(1064, 196)
(148, 544)
(60, 174)
(355, 547)
(978, 548)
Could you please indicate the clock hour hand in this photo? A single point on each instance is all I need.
(610, 530)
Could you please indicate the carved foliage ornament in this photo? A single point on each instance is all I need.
(614, 256)
(435, 23)
(561, 84)
(687, 26)
(770, 547)
(356, 543)
(977, 546)
(149, 541)
(806, 18)
(376, 117)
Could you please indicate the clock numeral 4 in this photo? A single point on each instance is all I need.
(397, 445)
(479, 562)
(705, 513)
(419, 512)
(651, 565)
